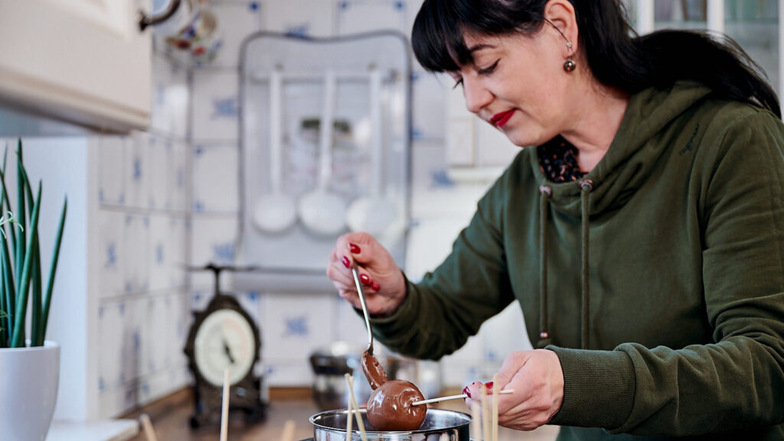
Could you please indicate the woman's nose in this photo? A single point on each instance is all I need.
(476, 95)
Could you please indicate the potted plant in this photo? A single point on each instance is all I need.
(29, 364)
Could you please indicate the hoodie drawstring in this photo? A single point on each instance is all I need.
(585, 195)
(544, 333)
(585, 198)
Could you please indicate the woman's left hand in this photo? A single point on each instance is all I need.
(537, 380)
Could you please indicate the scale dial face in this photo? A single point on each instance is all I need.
(224, 340)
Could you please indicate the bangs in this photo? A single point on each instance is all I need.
(437, 35)
(437, 38)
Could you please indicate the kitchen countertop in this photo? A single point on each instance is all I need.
(108, 430)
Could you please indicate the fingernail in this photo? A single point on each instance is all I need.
(364, 278)
(376, 286)
(489, 385)
(345, 261)
(354, 248)
(467, 391)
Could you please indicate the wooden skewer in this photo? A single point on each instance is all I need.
(349, 420)
(495, 408)
(149, 432)
(453, 397)
(476, 422)
(353, 400)
(224, 424)
(485, 415)
(288, 431)
(360, 423)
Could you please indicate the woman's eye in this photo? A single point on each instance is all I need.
(489, 69)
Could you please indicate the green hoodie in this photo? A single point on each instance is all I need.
(660, 286)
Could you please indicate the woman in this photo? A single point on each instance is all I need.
(641, 229)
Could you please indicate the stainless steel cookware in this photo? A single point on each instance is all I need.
(439, 425)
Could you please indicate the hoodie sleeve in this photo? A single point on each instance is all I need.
(449, 305)
(735, 383)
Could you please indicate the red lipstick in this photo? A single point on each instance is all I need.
(500, 119)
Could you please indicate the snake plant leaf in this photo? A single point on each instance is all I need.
(18, 339)
(21, 245)
(53, 267)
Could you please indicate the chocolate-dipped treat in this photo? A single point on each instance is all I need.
(373, 371)
(389, 406)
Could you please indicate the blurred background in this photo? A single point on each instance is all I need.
(156, 196)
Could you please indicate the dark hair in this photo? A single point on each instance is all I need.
(615, 54)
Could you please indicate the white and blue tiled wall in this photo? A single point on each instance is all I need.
(168, 198)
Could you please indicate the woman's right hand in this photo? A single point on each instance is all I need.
(382, 280)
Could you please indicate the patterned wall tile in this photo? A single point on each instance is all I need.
(355, 16)
(111, 315)
(295, 325)
(214, 240)
(179, 178)
(159, 159)
(111, 174)
(136, 172)
(111, 253)
(310, 18)
(136, 252)
(215, 105)
(430, 92)
(159, 252)
(236, 20)
(215, 181)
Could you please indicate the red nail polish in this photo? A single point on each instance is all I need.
(354, 248)
(364, 278)
(467, 391)
(376, 286)
(345, 261)
(489, 385)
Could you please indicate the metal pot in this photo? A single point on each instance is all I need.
(439, 424)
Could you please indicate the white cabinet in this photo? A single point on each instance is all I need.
(80, 61)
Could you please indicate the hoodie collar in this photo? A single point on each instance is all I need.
(627, 162)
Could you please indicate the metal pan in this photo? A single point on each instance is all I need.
(439, 425)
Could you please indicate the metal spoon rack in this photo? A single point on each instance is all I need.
(323, 176)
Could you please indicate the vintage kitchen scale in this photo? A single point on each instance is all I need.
(224, 336)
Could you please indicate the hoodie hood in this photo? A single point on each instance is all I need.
(628, 162)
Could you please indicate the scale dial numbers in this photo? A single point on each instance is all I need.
(224, 339)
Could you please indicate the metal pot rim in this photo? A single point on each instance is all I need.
(466, 419)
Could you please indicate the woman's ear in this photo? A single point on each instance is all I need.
(561, 14)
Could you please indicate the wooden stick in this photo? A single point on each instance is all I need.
(224, 424)
(349, 420)
(288, 431)
(476, 422)
(453, 397)
(485, 416)
(495, 408)
(149, 432)
(360, 423)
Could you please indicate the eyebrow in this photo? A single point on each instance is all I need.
(479, 47)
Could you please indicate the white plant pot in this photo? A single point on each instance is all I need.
(28, 391)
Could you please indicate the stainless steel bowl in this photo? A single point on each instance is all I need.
(439, 425)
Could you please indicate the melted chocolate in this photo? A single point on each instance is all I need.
(389, 407)
(373, 371)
